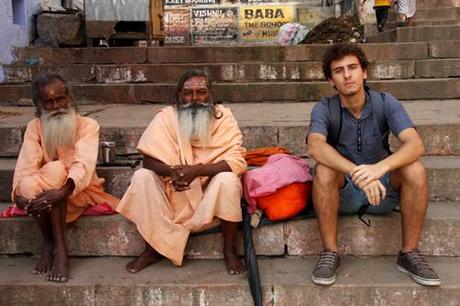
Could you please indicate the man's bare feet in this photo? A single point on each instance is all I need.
(45, 262)
(233, 263)
(147, 258)
(60, 270)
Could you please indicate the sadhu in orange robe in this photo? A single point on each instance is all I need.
(164, 217)
(35, 172)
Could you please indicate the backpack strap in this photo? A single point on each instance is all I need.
(377, 102)
(335, 115)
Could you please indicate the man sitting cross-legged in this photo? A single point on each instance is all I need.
(55, 178)
(357, 168)
(193, 157)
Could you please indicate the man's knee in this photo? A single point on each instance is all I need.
(141, 174)
(227, 179)
(413, 174)
(327, 177)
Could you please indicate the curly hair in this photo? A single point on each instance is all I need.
(190, 74)
(339, 51)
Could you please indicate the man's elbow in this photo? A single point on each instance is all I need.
(421, 148)
(312, 150)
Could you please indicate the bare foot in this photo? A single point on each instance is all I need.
(60, 270)
(147, 258)
(234, 264)
(45, 262)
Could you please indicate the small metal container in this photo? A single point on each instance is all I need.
(107, 152)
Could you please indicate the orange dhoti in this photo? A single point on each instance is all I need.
(53, 175)
(35, 172)
(165, 227)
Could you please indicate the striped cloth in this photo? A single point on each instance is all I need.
(96, 210)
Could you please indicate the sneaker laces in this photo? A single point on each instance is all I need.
(419, 260)
(327, 260)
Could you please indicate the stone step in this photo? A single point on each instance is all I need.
(431, 14)
(413, 34)
(267, 124)
(443, 177)
(209, 54)
(263, 91)
(103, 281)
(116, 236)
(425, 4)
(224, 72)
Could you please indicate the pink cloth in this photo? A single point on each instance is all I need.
(279, 171)
(96, 210)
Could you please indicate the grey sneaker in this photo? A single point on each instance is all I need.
(326, 268)
(415, 265)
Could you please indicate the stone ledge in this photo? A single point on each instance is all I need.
(116, 236)
(103, 281)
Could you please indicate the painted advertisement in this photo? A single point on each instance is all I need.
(214, 25)
(177, 26)
(261, 23)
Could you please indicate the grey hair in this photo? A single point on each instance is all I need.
(41, 81)
(190, 74)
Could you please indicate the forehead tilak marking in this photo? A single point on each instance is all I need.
(195, 83)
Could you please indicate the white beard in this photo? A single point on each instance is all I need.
(195, 122)
(58, 130)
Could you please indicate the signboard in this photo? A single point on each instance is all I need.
(177, 26)
(214, 25)
(261, 22)
(192, 2)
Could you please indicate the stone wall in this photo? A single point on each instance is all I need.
(16, 27)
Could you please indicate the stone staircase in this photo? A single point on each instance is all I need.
(270, 90)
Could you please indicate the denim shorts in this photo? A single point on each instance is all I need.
(352, 197)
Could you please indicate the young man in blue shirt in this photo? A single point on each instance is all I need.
(357, 169)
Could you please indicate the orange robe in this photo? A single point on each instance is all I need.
(35, 172)
(165, 218)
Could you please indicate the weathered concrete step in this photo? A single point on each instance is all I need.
(209, 54)
(413, 34)
(267, 124)
(276, 91)
(227, 72)
(431, 14)
(443, 177)
(103, 281)
(116, 236)
(424, 4)
(425, 23)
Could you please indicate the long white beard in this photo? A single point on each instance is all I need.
(195, 122)
(58, 130)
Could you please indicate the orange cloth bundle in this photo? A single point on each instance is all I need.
(259, 156)
(286, 202)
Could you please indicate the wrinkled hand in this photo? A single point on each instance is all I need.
(182, 176)
(21, 202)
(45, 201)
(362, 175)
(375, 192)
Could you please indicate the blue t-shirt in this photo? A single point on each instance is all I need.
(360, 139)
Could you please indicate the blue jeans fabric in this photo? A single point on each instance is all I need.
(352, 197)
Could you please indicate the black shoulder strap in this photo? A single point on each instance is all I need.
(377, 102)
(335, 116)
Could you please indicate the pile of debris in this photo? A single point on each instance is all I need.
(333, 30)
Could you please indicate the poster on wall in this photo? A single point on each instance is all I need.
(177, 26)
(214, 25)
(261, 23)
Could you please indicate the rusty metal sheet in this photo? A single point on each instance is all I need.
(117, 10)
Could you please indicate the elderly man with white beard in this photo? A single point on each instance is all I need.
(190, 180)
(55, 179)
